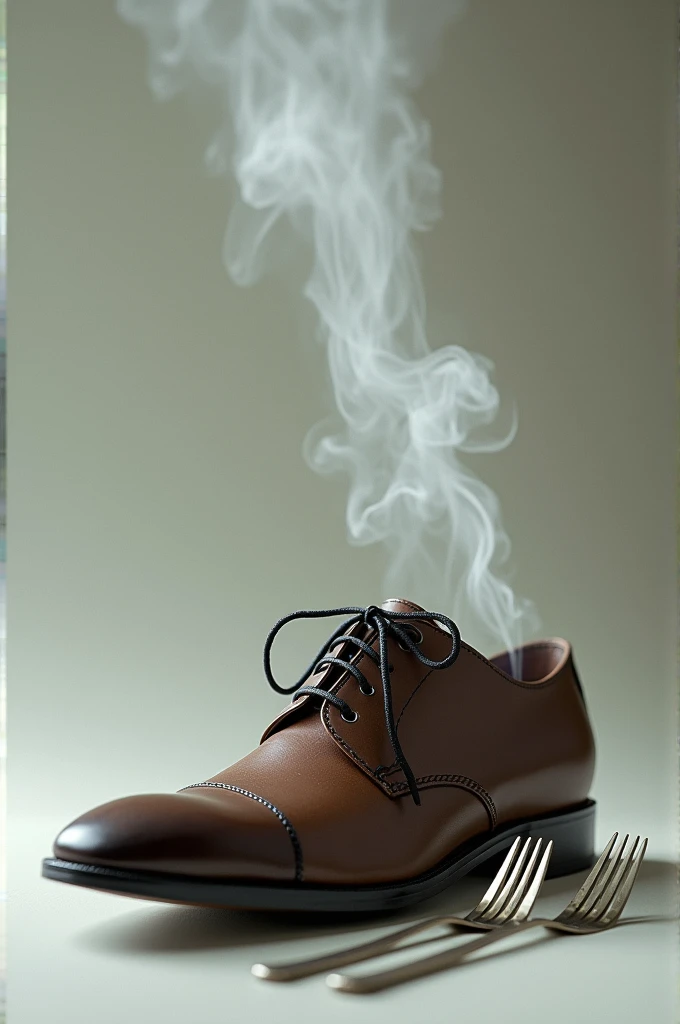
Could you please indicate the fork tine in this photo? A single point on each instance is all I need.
(509, 887)
(449, 957)
(606, 894)
(612, 878)
(592, 879)
(532, 892)
(605, 888)
(617, 904)
(499, 880)
(386, 943)
(508, 911)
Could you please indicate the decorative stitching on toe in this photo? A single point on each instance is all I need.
(297, 848)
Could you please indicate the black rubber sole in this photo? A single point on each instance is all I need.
(572, 832)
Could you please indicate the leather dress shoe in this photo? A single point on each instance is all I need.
(404, 760)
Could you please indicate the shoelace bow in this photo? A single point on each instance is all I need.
(384, 622)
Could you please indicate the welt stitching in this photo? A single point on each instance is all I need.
(454, 780)
(297, 848)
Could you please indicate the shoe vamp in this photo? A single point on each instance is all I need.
(350, 831)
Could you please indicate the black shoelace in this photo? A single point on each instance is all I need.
(385, 622)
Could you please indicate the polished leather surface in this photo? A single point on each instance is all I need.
(320, 799)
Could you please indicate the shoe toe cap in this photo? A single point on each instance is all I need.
(182, 833)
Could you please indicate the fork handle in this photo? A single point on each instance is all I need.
(431, 964)
(355, 954)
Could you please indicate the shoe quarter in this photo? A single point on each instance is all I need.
(518, 746)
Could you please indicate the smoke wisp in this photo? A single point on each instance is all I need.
(322, 135)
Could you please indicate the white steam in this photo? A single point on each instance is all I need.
(321, 134)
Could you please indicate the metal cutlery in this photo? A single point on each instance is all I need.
(509, 898)
(597, 906)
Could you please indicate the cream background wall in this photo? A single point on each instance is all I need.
(161, 516)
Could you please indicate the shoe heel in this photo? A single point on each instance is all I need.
(573, 836)
(573, 841)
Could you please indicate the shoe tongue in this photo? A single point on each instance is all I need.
(400, 604)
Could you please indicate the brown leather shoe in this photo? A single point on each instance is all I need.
(405, 760)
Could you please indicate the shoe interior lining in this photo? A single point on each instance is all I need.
(536, 661)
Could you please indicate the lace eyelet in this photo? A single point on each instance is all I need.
(415, 633)
(344, 717)
(367, 693)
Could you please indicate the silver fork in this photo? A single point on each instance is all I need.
(510, 897)
(597, 905)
